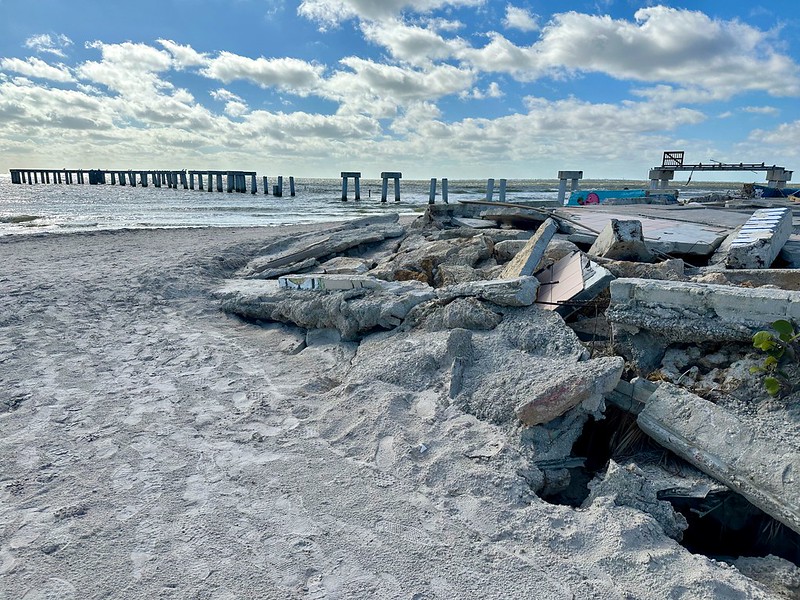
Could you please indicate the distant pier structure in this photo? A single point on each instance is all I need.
(672, 161)
(210, 180)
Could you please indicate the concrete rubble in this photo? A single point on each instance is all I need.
(461, 316)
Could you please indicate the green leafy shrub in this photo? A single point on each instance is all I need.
(782, 349)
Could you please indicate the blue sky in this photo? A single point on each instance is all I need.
(433, 88)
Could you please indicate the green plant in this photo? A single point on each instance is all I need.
(782, 347)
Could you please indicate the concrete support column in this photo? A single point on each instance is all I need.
(143, 178)
(563, 176)
(35, 177)
(210, 183)
(356, 175)
(395, 177)
(279, 187)
(58, 175)
(444, 190)
(200, 181)
(291, 186)
(47, 175)
(184, 183)
(265, 182)
(132, 178)
(254, 183)
(489, 189)
(191, 181)
(113, 178)
(502, 192)
(432, 192)
(219, 182)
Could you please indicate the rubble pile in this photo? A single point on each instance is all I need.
(539, 343)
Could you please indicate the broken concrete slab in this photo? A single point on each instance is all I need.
(670, 270)
(527, 260)
(473, 223)
(719, 444)
(759, 241)
(335, 242)
(353, 313)
(419, 258)
(322, 282)
(685, 311)
(453, 274)
(629, 486)
(585, 382)
(345, 265)
(662, 234)
(786, 279)
(295, 267)
(622, 240)
(520, 291)
(570, 282)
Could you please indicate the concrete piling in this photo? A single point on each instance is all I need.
(444, 190)
(489, 189)
(395, 176)
(279, 187)
(563, 176)
(432, 193)
(254, 183)
(291, 186)
(502, 192)
(219, 182)
(265, 182)
(356, 176)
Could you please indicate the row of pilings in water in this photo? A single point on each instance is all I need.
(235, 181)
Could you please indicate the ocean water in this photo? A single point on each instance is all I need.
(61, 208)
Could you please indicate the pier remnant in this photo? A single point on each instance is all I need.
(489, 189)
(356, 175)
(574, 177)
(395, 176)
(432, 194)
(291, 186)
(673, 160)
(444, 190)
(503, 183)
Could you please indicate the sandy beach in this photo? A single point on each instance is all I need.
(154, 447)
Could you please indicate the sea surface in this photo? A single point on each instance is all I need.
(60, 208)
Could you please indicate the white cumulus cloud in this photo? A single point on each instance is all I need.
(37, 68)
(520, 18)
(44, 43)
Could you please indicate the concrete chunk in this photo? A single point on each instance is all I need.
(759, 241)
(328, 282)
(520, 291)
(719, 444)
(682, 311)
(526, 261)
(585, 382)
(622, 240)
(570, 281)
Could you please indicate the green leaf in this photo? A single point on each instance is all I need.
(770, 361)
(775, 352)
(783, 327)
(756, 369)
(772, 385)
(764, 340)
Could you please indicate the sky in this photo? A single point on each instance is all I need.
(432, 88)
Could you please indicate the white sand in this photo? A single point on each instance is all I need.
(152, 447)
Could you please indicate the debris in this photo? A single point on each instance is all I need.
(622, 240)
(791, 252)
(629, 486)
(719, 444)
(520, 291)
(526, 261)
(681, 311)
(337, 241)
(353, 313)
(570, 281)
(758, 242)
(632, 396)
(786, 279)
(585, 382)
(329, 282)
(668, 236)
(345, 265)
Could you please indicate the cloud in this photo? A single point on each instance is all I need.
(44, 43)
(493, 91)
(290, 74)
(663, 45)
(127, 68)
(413, 44)
(235, 106)
(379, 89)
(184, 56)
(35, 67)
(761, 110)
(519, 18)
(332, 12)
